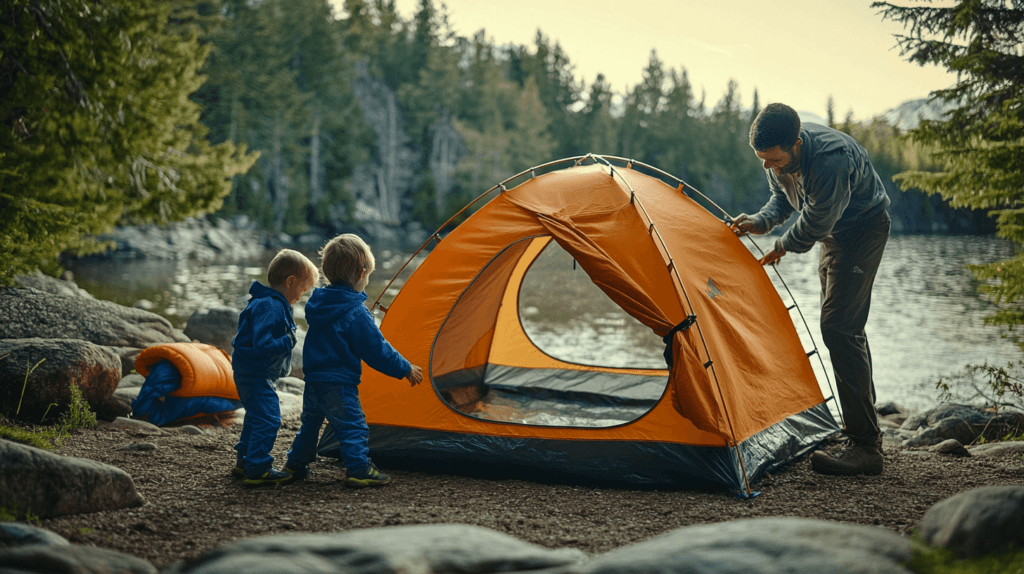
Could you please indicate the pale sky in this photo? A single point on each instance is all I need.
(793, 51)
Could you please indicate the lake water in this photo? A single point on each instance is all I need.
(926, 317)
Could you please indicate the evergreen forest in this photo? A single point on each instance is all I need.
(307, 118)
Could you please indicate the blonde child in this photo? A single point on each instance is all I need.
(262, 354)
(342, 335)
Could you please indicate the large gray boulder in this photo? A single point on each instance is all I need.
(762, 545)
(193, 238)
(961, 422)
(215, 326)
(95, 370)
(26, 312)
(438, 549)
(73, 559)
(51, 285)
(995, 449)
(48, 485)
(21, 534)
(980, 521)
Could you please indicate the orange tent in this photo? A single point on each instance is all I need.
(739, 398)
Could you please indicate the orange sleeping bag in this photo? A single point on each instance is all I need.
(205, 370)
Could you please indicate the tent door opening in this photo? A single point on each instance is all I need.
(533, 341)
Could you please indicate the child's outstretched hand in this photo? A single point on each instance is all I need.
(415, 376)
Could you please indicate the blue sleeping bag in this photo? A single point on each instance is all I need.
(156, 404)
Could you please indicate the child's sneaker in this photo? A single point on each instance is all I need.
(368, 476)
(239, 470)
(298, 474)
(271, 476)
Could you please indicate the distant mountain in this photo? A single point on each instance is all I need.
(811, 118)
(908, 115)
(905, 116)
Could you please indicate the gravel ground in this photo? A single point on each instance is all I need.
(193, 504)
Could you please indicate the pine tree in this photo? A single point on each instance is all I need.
(677, 136)
(98, 128)
(597, 127)
(980, 142)
(643, 103)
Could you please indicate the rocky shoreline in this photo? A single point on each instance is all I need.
(92, 344)
(236, 238)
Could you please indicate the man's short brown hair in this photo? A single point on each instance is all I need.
(776, 125)
(345, 258)
(289, 262)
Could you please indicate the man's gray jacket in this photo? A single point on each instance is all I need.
(840, 188)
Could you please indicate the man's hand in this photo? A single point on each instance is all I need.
(773, 256)
(415, 376)
(744, 224)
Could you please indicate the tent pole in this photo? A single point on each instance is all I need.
(675, 273)
(533, 173)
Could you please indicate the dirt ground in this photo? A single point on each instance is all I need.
(193, 504)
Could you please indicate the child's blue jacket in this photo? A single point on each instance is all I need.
(341, 335)
(266, 336)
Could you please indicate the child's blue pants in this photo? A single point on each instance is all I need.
(339, 404)
(260, 426)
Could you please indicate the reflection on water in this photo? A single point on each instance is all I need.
(926, 318)
(176, 289)
(926, 321)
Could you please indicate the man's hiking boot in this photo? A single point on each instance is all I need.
(368, 476)
(852, 459)
(271, 476)
(298, 474)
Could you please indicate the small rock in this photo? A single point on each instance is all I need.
(121, 423)
(888, 408)
(951, 447)
(144, 304)
(132, 380)
(189, 429)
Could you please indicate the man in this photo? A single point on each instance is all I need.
(825, 176)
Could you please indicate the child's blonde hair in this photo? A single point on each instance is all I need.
(345, 258)
(289, 262)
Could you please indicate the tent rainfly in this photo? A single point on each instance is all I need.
(739, 396)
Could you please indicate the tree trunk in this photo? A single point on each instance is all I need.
(315, 185)
(280, 188)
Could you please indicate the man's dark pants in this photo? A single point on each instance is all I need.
(847, 265)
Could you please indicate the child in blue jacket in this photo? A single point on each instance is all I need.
(342, 335)
(262, 354)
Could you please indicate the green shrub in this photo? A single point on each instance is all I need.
(11, 514)
(997, 387)
(79, 415)
(937, 560)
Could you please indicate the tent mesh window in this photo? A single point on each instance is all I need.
(569, 389)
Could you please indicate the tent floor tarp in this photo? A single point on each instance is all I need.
(629, 464)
